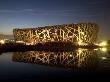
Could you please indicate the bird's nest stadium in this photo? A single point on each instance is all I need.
(80, 33)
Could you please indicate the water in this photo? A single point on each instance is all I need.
(81, 63)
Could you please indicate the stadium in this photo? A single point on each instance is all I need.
(80, 33)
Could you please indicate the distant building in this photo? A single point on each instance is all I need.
(9, 41)
(4, 36)
(81, 33)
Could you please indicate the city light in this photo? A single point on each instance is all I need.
(96, 44)
(70, 55)
(32, 43)
(19, 41)
(104, 58)
(2, 41)
(96, 49)
(79, 50)
(104, 49)
(103, 43)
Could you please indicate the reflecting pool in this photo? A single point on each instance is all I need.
(80, 63)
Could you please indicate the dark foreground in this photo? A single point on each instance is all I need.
(56, 62)
(76, 65)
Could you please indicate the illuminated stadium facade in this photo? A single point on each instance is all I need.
(81, 33)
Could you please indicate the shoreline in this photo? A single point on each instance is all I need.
(14, 47)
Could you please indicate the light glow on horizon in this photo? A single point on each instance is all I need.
(2, 41)
(104, 43)
(104, 49)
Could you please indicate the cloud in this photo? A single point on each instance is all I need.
(64, 12)
(16, 11)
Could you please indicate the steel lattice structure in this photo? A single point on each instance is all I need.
(81, 32)
(79, 58)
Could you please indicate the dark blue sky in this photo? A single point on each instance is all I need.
(33, 13)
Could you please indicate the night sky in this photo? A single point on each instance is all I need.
(34, 13)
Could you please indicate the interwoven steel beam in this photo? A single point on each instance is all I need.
(81, 32)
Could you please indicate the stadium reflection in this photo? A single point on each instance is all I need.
(81, 58)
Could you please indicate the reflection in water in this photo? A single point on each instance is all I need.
(81, 58)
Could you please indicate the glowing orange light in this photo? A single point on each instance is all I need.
(104, 49)
(103, 44)
(104, 58)
(2, 41)
(80, 42)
